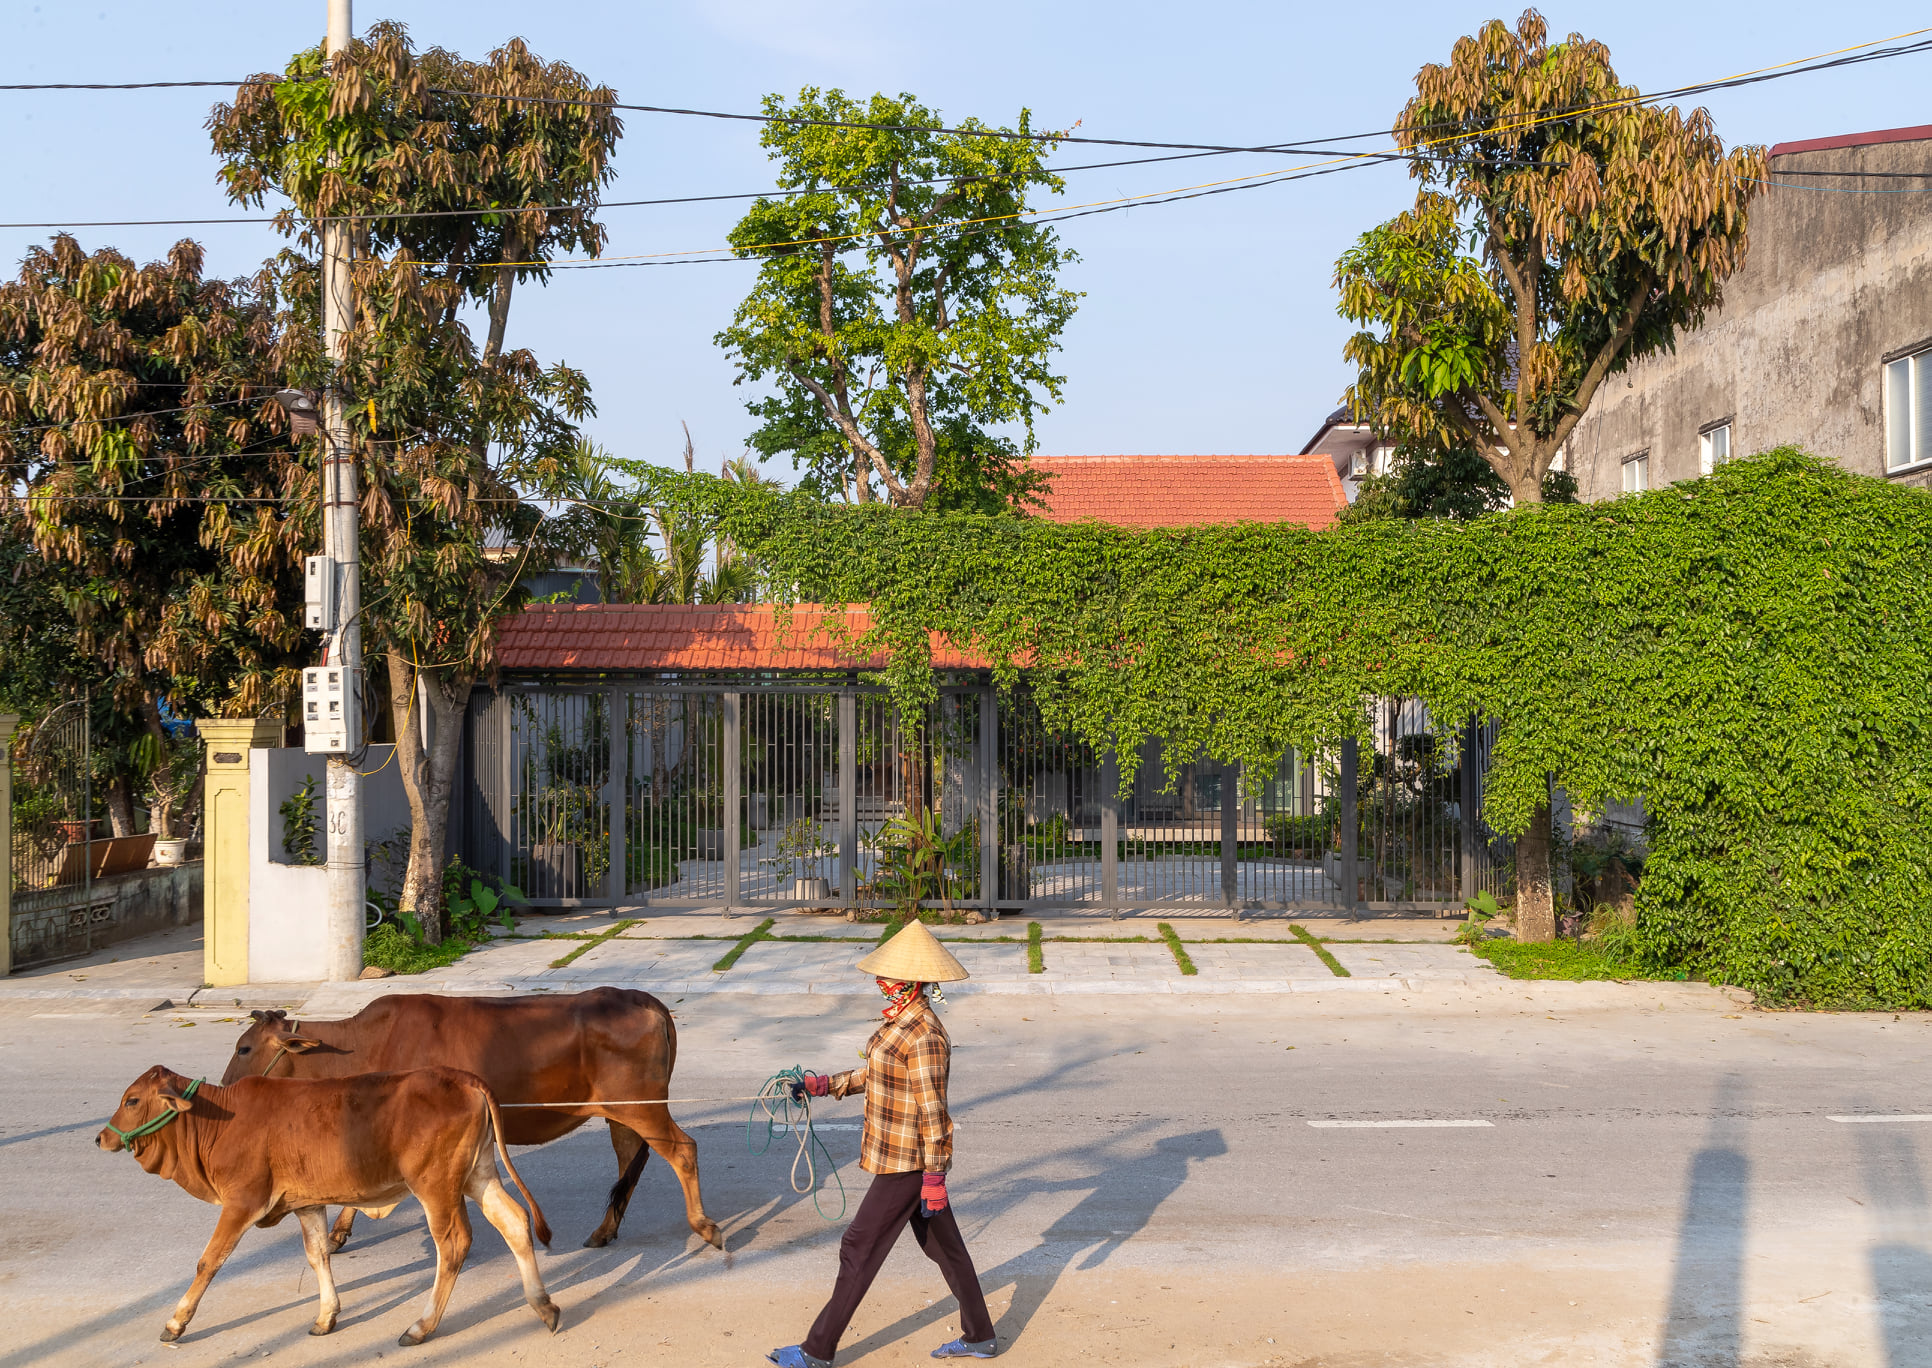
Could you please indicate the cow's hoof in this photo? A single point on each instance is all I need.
(322, 1328)
(599, 1238)
(336, 1242)
(552, 1317)
(171, 1333)
(711, 1235)
(411, 1337)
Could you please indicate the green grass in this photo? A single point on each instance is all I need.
(595, 941)
(1567, 959)
(1174, 943)
(1035, 956)
(1334, 965)
(390, 947)
(760, 932)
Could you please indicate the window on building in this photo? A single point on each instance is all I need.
(1908, 410)
(1713, 447)
(1636, 473)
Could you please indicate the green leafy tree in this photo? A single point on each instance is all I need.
(1448, 484)
(464, 178)
(904, 307)
(162, 503)
(1601, 227)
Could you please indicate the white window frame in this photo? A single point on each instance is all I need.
(1640, 462)
(1707, 442)
(1912, 448)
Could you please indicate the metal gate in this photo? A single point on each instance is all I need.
(696, 796)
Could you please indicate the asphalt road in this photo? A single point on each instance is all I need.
(1138, 1180)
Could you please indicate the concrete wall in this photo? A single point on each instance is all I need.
(54, 923)
(286, 933)
(1833, 282)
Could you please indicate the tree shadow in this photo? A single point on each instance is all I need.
(1704, 1326)
(1121, 1197)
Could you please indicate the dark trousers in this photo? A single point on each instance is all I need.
(891, 1202)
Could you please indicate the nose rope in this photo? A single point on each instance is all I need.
(775, 1101)
(154, 1123)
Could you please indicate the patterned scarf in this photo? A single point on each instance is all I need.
(899, 996)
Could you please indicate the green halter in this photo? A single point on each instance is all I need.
(154, 1123)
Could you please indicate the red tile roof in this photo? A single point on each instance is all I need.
(1189, 491)
(1922, 133)
(658, 636)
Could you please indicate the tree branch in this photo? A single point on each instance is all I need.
(849, 428)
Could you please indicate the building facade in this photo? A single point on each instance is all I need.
(1824, 340)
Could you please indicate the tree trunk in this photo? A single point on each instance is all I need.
(120, 805)
(1535, 903)
(429, 778)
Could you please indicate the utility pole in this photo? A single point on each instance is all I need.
(342, 544)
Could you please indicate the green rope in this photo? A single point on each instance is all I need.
(774, 1100)
(155, 1123)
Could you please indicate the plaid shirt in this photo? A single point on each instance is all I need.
(907, 1126)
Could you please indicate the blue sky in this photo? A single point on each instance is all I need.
(1207, 326)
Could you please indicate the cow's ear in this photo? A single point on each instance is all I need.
(297, 1044)
(176, 1102)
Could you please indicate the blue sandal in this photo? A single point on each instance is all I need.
(793, 1356)
(962, 1348)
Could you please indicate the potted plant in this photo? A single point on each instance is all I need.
(172, 785)
(800, 848)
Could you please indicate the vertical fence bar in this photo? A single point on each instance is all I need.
(729, 816)
(1110, 829)
(849, 799)
(617, 786)
(1350, 832)
(989, 802)
(1230, 831)
(1468, 799)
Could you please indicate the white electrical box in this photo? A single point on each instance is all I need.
(329, 722)
(319, 584)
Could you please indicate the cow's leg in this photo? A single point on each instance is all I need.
(513, 1223)
(343, 1225)
(631, 1154)
(316, 1244)
(449, 1227)
(228, 1231)
(680, 1151)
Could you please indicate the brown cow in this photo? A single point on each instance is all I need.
(605, 1045)
(264, 1147)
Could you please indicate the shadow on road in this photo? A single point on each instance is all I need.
(1901, 1266)
(1703, 1327)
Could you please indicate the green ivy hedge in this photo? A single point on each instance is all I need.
(1748, 652)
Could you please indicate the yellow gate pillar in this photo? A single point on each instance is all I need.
(224, 843)
(7, 723)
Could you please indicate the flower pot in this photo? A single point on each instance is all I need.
(76, 831)
(170, 853)
(557, 869)
(812, 890)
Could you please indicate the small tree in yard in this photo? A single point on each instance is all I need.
(904, 306)
(465, 178)
(1602, 226)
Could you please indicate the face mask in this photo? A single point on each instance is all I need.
(899, 996)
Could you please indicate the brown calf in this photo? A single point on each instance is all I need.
(606, 1045)
(264, 1147)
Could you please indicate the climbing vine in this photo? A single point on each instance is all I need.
(1750, 653)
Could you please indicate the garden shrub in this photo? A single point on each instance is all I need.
(1750, 653)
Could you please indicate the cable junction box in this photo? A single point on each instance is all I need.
(319, 588)
(329, 722)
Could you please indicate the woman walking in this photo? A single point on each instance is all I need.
(907, 1146)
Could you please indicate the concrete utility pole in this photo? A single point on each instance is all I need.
(342, 544)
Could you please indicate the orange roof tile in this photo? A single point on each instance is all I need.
(659, 636)
(1192, 491)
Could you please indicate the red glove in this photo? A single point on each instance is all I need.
(932, 1194)
(814, 1085)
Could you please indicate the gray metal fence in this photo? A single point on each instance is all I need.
(54, 804)
(697, 795)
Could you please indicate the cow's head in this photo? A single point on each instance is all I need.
(261, 1047)
(147, 1105)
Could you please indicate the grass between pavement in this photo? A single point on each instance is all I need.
(1035, 956)
(760, 932)
(1174, 943)
(595, 941)
(1334, 965)
(1566, 959)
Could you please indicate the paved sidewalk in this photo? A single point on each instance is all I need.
(675, 955)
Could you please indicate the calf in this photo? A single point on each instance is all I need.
(265, 1147)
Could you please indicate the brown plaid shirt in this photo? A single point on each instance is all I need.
(907, 1126)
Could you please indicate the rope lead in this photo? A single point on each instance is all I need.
(774, 1100)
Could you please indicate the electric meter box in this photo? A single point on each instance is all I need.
(319, 588)
(328, 710)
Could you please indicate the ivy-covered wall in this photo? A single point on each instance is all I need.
(1750, 652)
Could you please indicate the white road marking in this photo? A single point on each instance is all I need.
(1400, 1125)
(1856, 1120)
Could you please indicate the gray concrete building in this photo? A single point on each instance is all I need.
(1824, 340)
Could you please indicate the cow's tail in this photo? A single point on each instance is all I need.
(537, 1223)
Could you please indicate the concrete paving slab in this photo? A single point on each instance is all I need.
(1119, 963)
(1249, 964)
(1412, 961)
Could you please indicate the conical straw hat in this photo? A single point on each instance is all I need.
(914, 956)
